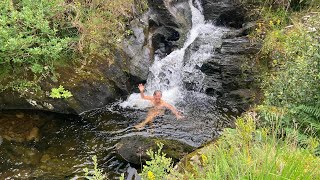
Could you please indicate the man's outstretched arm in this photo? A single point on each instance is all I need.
(141, 88)
(174, 110)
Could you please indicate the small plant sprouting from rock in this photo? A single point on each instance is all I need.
(60, 93)
(95, 173)
(129, 32)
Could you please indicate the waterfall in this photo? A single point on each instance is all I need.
(170, 73)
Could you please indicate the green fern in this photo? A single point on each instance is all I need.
(313, 111)
(305, 118)
(308, 117)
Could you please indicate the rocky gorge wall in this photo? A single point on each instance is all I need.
(230, 71)
(158, 32)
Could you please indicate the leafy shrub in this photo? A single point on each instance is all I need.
(37, 37)
(30, 34)
(159, 165)
(32, 41)
(294, 78)
(290, 55)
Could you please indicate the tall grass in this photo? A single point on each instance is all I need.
(250, 153)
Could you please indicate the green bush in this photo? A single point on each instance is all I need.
(32, 41)
(38, 37)
(159, 165)
(30, 34)
(290, 58)
(295, 76)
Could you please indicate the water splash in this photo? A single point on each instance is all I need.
(170, 73)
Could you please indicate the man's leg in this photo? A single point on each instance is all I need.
(151, 115)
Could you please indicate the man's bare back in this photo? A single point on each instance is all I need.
(158, 108)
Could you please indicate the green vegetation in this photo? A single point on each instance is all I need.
(95, 173)
(60, 93)
(37, 38)
(250, 153)
(290, 57)
(101, 26)
(159, 165)
(31, 40)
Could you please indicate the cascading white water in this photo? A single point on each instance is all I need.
(170, 73)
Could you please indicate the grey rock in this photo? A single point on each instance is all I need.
(132, 174)
(133, 149)
(227, 13)
(137, 49)
(169, 22)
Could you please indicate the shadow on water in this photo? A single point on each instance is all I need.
(44, 145)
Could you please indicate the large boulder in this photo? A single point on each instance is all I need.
(227, 13)
(133, 149)
(136, 47)
(92, 86)
(169, 23)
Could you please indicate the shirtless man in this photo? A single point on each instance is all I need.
(158, 107)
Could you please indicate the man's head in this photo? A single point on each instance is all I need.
(157, 95)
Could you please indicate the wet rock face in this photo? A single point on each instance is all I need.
(228, 13)
(135, 47)
(227, 78)
(228, 73)
(169, 22)
(162, 29)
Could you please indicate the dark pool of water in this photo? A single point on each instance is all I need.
(65, 144)
(64, 147)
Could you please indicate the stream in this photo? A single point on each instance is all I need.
(66, 144)
(44, 145)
